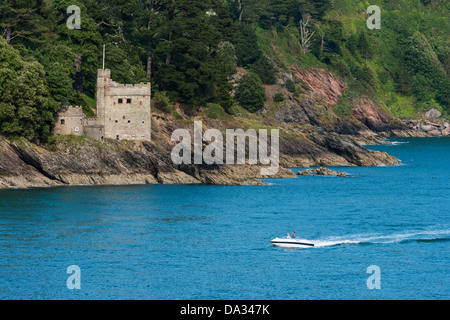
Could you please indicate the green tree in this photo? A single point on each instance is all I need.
(402, 80)
(20, 19)
(429, 80)
(280, 13)
(140, 21)
(227, 56)
(279, 97)
(265, 70)
(223, 90)
(290, 86)
(247, 11)
(370, 76)
(125, 65)
(247, 48)
(26, 108)
(250, 92)
(364, 46)
(59, 82)
(316, 8)
(187, 54)
(85, 42)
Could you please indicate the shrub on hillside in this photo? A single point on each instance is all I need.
(250, 93)
(162, 102)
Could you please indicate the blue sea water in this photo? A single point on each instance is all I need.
(213, 242)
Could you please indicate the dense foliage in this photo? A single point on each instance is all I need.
(189, 50)
(250, 93)
(26, 107)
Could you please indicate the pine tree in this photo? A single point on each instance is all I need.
(402, 80)
(247, 48)
(364, 46)
(189, 47)
(20, 19)
(429, 80)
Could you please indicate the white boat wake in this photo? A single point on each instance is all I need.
(395, 143)
(405, 237)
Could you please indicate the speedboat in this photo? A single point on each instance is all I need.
(292, 243)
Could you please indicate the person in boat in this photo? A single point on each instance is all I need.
(293, 234)
(288, 236)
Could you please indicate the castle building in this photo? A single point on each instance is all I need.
(122, 112)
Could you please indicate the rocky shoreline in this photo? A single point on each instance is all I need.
(311, 135)
(432, 124)
(81, 161)
(24, 164)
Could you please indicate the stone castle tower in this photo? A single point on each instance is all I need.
(123, 112)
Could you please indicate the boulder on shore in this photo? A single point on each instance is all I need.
(433, 113)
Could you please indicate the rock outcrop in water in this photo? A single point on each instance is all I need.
(321, 172)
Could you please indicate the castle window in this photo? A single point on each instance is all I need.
(128, 100)
(120, 100)
(142, 121)
(123, 117)
(117, 121)
(63, 122)
(117, 137)
(129, 121)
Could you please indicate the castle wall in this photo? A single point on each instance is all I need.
(90, 121)
(94, 131)
(70, 121)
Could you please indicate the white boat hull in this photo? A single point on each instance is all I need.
(292, 243)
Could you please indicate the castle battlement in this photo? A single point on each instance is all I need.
(120, 85)
(71, 111)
